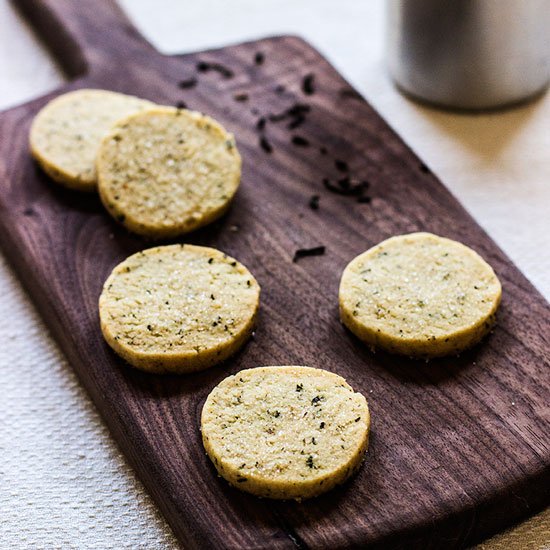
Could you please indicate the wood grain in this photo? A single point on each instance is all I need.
(459, 447)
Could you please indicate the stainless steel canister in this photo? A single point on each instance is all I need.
(469, 54)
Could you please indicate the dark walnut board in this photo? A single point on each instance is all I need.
(458, 448)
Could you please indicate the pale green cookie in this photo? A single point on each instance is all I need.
(167, 171)
(419, 295)
(178, 308)
(285, 432)
(66, 133)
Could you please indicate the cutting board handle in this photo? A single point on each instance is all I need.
(85, 36)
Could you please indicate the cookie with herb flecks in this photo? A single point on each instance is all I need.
(167, 171)
(178, 308)
(66, 133)
(419, 295)
(285, 432)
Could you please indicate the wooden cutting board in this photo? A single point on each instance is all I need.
(459, 446)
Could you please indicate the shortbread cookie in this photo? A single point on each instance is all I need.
(285, 432)
(419, 295)
(178, 308)
(167, 171)
(65, 135)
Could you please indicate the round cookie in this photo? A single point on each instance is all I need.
(66, 133)
(167, 171)
(285, 432)
(419, 295)
(178, 308)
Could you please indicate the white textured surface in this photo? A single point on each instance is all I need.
(63, 483)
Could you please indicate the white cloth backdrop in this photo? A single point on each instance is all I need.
(63, 483)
